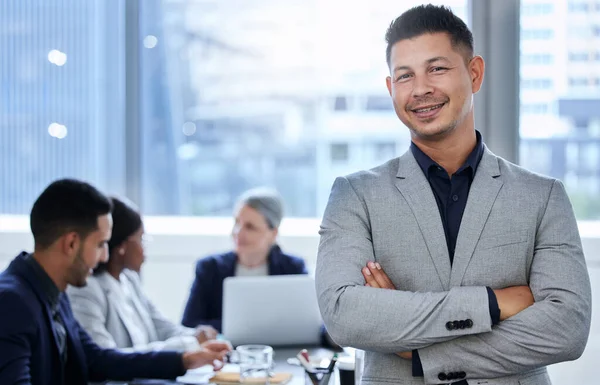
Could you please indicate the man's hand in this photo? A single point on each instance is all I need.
(513, 300)
(205, 333)
(405, 355)
(376, 277)
(210, 353)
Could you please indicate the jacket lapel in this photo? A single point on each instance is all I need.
(482, 195)
(141, 309)
(75, 352)
(415, 188)
(116, 296)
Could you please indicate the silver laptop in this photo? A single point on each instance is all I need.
(274, 310)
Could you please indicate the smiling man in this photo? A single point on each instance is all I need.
(41, 343)
(450, 264)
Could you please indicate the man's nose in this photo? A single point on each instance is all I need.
(421, 86)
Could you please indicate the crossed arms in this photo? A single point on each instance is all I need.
(553, 329)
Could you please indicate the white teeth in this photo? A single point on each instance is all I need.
(428, 109)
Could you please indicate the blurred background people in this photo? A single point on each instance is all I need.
(258, 213)
(40, 341)
(113, 308)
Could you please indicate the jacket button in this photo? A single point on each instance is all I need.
(462, 324)
(451, 376)
(456, 325)
(442, 376)
(449, 326)
(469, 323)
(462, 374)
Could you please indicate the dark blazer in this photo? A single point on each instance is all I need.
(205, 304)
(28, 347)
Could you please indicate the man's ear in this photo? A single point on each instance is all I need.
(70, 243)
(477, 70)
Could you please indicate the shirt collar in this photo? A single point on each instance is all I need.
(425, 162)
(48, 286)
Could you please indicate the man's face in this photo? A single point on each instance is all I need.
(431, 84)
(93, 250)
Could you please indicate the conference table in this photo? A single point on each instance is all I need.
(280, 357)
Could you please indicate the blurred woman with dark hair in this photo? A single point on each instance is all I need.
(113, 309)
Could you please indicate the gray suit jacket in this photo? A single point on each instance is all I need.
(100, 308)
(518, 228)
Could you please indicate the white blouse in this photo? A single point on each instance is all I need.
(117, 314)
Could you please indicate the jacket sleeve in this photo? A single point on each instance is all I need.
(554, 329)
(105, 364)
(381, 320)
(17, 332)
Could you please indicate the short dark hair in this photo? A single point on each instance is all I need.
(429, 19)
(66, 205)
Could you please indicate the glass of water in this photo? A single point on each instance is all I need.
(255, 362)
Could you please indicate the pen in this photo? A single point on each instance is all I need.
(332, 363)
(305, 363)
(304, 353)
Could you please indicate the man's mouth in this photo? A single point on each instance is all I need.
(427, 108)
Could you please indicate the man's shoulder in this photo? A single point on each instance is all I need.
(513, 173)
(17, 297)
(385, 171)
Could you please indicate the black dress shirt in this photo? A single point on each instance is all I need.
(451, 195)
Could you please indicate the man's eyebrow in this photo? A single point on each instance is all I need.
(438, 58)
(428, 61)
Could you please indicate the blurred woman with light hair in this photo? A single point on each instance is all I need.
(258, 213)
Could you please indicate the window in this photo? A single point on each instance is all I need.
(385, 151)
(537, 34)
(577, 6)
(216, 108)
(379, 103)
(537, 9)
(534, 108)
(578, 56)
(62, 97)
(536, 83)
(580, 32)
(257, 100)
(340, 103)
(578, 82)
(564, 141)
(538, 58)
(339, 152)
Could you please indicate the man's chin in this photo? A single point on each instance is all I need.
(433, 133)
(80, 283)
